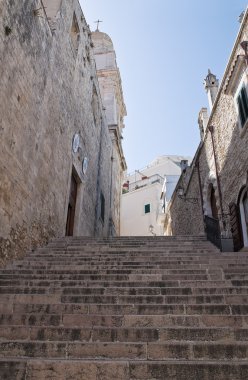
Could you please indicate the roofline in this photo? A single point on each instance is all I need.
(229, 64)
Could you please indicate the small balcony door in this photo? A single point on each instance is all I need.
(71, 207)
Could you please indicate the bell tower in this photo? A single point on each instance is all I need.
(211, 84)
(115, 110)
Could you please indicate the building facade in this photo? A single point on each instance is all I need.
(211, 196)
(56, 150)
(146, 193)
(113, 102)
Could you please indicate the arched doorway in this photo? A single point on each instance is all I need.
(212, 226)
(243, 207)
(212, 199)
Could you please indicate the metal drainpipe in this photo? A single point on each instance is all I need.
(200, 188)
(211, 129)
(111, 193)
(98, 187)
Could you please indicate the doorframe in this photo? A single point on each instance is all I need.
(243, 191)
(78, 207)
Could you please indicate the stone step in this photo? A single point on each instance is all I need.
(79, 317)
(75, 296)
(132, 334)
(83, 296)
(136, 260)
(80, 287)
(118, 334)
(144, 283)
(137, 309)
(122, 370)
(77, 269)
(118, 265)
(129, 351)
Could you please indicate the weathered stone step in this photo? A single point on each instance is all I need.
(118, 334)
(143, 310)
(132, 252)
(126, 283)
(130, 261)
(122, 370)
(82, 288)
(120, 266)
(81, 319)
(127, 350)
(138, 271)
(113, 278)
(79, 288)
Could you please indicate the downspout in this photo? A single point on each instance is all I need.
(98, 180)
(111, 195)
(211, 129)
(200, 189)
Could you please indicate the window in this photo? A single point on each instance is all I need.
(242, 102)
(102, 210)
(75, 33)
(147, 208)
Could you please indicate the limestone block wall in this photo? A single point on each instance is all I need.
(185, 217)
(117, 179)
(47, 84)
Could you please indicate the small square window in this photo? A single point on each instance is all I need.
(147, 208)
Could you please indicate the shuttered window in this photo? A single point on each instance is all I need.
(242, 101)
(147, 208)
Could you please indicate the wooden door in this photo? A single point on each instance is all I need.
(213, 204)
(235, 224)
(71, 207)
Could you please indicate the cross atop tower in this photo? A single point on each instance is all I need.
(97, 22)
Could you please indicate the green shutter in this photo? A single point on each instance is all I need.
(245, 102)
(241, 111)
(147, 208)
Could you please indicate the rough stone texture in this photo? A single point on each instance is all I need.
(112, 96)
(96, 323)
(49, 91)
(231, 155)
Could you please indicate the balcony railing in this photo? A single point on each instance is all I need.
(145, 181)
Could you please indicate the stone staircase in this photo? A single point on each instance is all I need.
(125, 308)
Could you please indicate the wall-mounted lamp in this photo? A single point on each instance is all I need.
(151, 228)
(181, 194)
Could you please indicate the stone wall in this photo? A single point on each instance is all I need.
(184, 217)
(113, 101)
(48, 92)
(231, 158)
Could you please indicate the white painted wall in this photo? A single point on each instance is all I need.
(134, 221)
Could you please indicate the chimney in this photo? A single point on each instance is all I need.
(203, 121)
(211, 84)
(184, 164)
